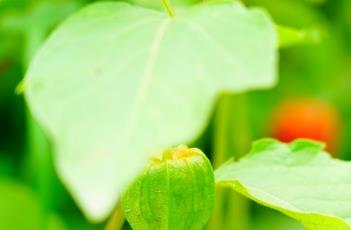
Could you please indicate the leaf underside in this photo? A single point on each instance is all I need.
(298, 179)
(116, 83)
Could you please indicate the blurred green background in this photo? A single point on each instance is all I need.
(314, 89)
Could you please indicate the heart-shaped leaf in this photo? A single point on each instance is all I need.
(155, 4)
(117, 83)
(298, 179)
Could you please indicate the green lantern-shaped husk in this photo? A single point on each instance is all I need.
(175, 192)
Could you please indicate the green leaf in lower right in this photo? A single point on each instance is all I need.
(298, 179)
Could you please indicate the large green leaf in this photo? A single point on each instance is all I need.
(157, 4)
(298, 179)
(117, 83)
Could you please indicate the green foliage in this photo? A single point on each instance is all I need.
(42, 15)
(29, 24)
(321, 71)
(175, 192)
(292, 13)
(14, 199)
(20, 209)
(315, 1)
(289, 36)
(298, 179)
(116, 83)
(274, 220)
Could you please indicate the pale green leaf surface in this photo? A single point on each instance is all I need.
(157, 4)
(298, 179)
(116, 83)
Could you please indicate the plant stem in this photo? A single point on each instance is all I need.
(38, 161)
(231, 139)
(117, 219)
(167, 5)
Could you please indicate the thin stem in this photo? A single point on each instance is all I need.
(167, 5)
(117, 219)
(231, 139)
(39, 161)
(241, 139)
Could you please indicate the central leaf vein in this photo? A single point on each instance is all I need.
(147, 76)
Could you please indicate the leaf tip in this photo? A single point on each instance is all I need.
(263, 145)
(299, 145)
(20, 88)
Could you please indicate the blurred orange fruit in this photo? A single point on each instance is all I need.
(307, 118)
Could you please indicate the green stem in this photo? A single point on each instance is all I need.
(231, 139)
(38, 161)
(117, 219)
(168, 7)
